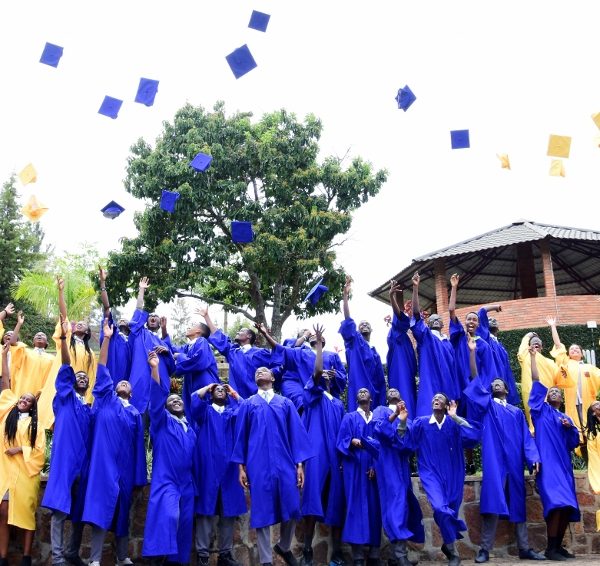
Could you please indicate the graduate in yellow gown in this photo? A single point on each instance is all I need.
(593, 449)
(22, 453)
(29, 367)
(546, 367)
(82, 359)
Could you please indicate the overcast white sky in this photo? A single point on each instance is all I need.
(511, 72)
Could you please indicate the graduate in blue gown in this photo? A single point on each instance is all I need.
(69, 460)
(323, 493)
(400, 512)
(117, 462)
(243, 357)
(555, 436)
(170, 515)
(507, 447)
(364, 363)
(219, 490)
(194, 361)
(488, 329)
(144, 338)
(437, 368)
(118, 362)
(271, 446)
(439, 440)
(401, 358)
(358, 448)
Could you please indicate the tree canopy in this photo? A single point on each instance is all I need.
(266, 172)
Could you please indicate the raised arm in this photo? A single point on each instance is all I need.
(415, 296)
(153, 363)
(318, 370)
(14, 338)
(472, 355)
(163, 327)
(62, 305)
(142, 286)
(346, 297)
(493, 308)
(555, 337)
(65, 357)
(203, 312)
(103, 293)
(262, 329)
(5, 383)
(453, 289)
(6, 311)
(396, 298)
(108, 332)
(535, 376)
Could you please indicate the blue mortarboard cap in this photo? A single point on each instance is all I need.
(146, 91)
(110, 107)
(370, 445)
(241, 61)
(405, 98)
(112, 209)
(316, 293)
(460, 139)
(241, 232)
(259, 20)
(168, 200)
(51, 55)
(201, 162)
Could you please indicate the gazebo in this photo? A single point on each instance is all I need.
(533, 270)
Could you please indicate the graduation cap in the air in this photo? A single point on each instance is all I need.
(259, 20)
(316, 293)
(146, 91)
(110, 107)
(241, 232)
(168, 200)
(241, 61)
(201, 161)
(559, 146)
(557, 168)
(405, 98)
(460, 139)
(112, 209)
(370, 445)
(504, 161)
(28, 174)
(51, 55)
(34, 209)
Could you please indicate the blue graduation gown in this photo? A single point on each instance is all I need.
(442, 468)
(70, 446)
(556, 482)
(298, 367)
(118, 360)
(362, 524)
(501, 357)
(198, 366)
(242, 365)
(322, 417)
(141, 341)
(170, 516)
(118, 460)
(402, 362)
(270, 441)
(437, 371)
(400, 511)
(217, 475)
(506, 448)
(364, 366)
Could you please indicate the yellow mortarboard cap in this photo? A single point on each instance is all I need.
(559, 146)
(596, 118)
(503, 157)
(34, 209)
(28, 175)
(557, 169)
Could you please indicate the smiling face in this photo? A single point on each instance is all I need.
(435, 322)
(175, 405)
(575, 352)
(25, 402)
(82, 382)
(7, 336)
(555, 396)
(364, 328)
(536, 343)
(472, 322)
(439, 402)
(81, 328)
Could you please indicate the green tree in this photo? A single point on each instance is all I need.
(264, 172)
(20, 241)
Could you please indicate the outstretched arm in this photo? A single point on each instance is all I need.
(535, 376)
(318, 370)
(346, 297)
(453, 289)
(262, 329)
(65, 357)
(143, 285)
(472, 355)
(62, 305)
(396, 297)
(153, 363)
(5, 384)
(493, 308)
(108, 332)
(555, 337)
(103, 293)
(415, 296)
(203, 312)
(14, 338)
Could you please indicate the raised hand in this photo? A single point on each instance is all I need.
(144, 283)
(416, 279)
(202, 311)
(387, 319)
(20, 318)
(153, 360)
(551, 321)
(402, 411)
(454, 279)
(163, 323)
(60, 283)
(9, 309)
(471, 343)
(319, 330)
(452, 407)
(348, 286)
(5, 348)
(107, 329)
(64, 325)
(102, 274)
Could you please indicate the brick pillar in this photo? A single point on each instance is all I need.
(548, 271)
(441, 287)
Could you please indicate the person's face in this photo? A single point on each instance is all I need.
(499, 388)
(193, 332)
(7, 336)
(435, 322)
(493, 324)
(123, 389)
(82, 381)
(25, 402)
(123, 325)
(536, 344)
(555, 395)
(596, 409)
(263, 376)
(393, 396)
(365, 328)
(175, 405)
(472, 322)
(242, 336)
(153, 322)
(439, 403)
(575, 352)
(40, 340)
(219, 393)
(81, 327)
(363, 396)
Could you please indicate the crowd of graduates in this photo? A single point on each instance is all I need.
(280, 429)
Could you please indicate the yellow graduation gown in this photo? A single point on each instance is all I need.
(29, 369)
(20, 474)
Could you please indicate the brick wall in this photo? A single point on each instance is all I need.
(582, 539)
